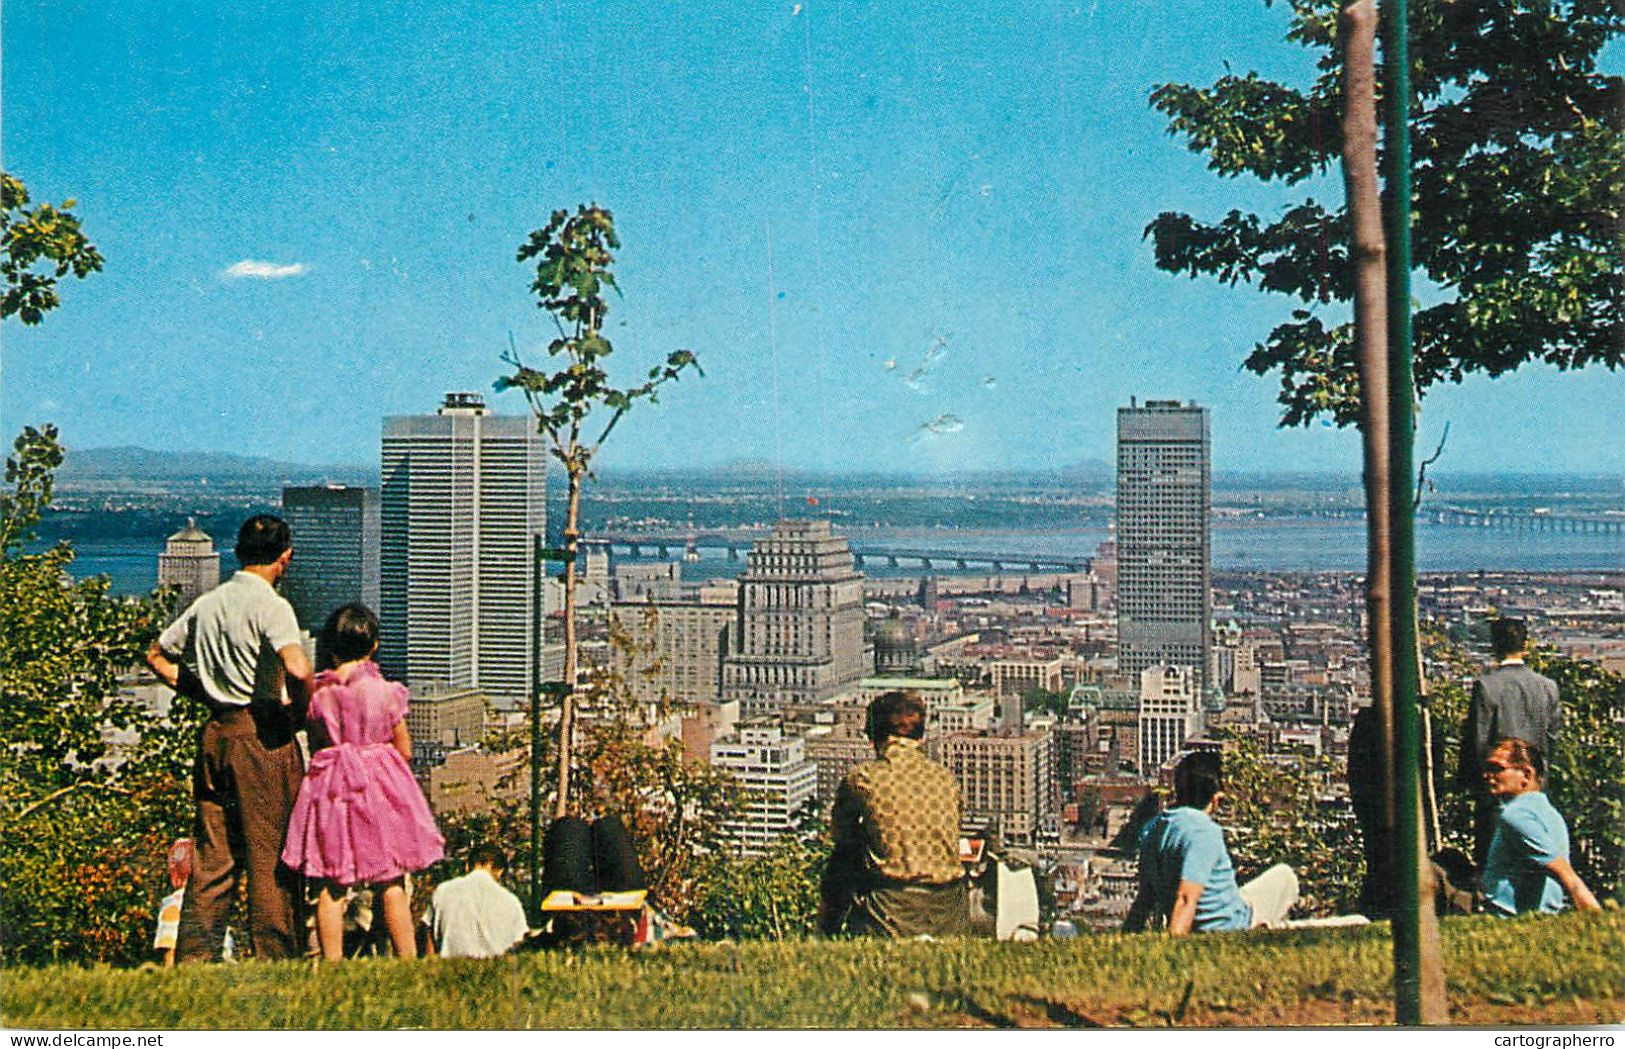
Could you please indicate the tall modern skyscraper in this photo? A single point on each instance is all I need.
(189, 562)
(798, 632)
(463, 494)
(336, 539)
(1164, 484)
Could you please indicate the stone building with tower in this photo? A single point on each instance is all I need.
(797, 635)
(189, 563)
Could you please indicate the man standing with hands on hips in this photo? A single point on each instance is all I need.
(237, 650)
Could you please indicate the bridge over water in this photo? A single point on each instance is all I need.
(928, 559)
(1527, 521)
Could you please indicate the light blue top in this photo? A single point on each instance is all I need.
(1529, 834)
(1185, 844)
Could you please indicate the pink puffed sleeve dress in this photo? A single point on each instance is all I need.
(360, 816)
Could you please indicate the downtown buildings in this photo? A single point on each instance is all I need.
(770, 762)
(1164, 582)
(464, 495)
(798, 633)
(336, 538)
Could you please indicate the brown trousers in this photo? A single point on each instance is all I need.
(245, 781)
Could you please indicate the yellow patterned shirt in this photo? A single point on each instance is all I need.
(903, 812)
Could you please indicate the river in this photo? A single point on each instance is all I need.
(1299, 546)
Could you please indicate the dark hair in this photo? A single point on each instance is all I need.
(350, 633)
(1522, 754)
(1197, 777)
(488, 855)
(261, 540)
(896, 714)
(1508, 636)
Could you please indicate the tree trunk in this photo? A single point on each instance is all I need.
(567, 707)
(1435, 1004)
(1368, 248)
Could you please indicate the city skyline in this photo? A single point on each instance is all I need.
(941, 263)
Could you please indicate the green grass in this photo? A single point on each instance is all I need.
(1565, 969)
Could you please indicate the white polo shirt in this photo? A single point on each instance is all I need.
(232, 636)
(474, 917)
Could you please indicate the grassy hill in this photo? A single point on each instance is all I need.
(1555, 970)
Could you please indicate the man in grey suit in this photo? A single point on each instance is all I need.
(1509, 700)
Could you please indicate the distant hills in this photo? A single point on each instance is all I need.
(132, 465)
(757, 471)
(136, 467)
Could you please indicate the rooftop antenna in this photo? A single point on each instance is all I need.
(773, 346)
(817, 219)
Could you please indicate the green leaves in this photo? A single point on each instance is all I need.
(573, 256)
(1587, 778)
(89, 784)
(30, 473)
(1251, 126)
(38, 246)
(1285, 809)
(1518, 157)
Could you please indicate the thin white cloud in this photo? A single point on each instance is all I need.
(263, 270)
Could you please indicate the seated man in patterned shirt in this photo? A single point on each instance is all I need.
(895, 870)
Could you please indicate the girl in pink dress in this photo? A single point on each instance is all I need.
(360, 818)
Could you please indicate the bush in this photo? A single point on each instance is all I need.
(1587, 780)
(1283, 809)
(92, 782)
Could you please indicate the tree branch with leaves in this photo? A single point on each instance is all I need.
(39, 245)
(1518, 168)
(573, 256)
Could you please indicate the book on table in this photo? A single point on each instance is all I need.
(566, 900)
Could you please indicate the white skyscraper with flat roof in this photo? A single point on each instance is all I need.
(1164, 584)
(463, 494)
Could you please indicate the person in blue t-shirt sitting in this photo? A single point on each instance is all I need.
(1527, 868)
(1186, 875)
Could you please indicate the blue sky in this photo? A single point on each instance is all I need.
(924, 219)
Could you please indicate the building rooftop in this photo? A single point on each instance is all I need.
(191, 534)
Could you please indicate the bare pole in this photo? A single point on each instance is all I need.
(1418, 969)
(537, 592)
